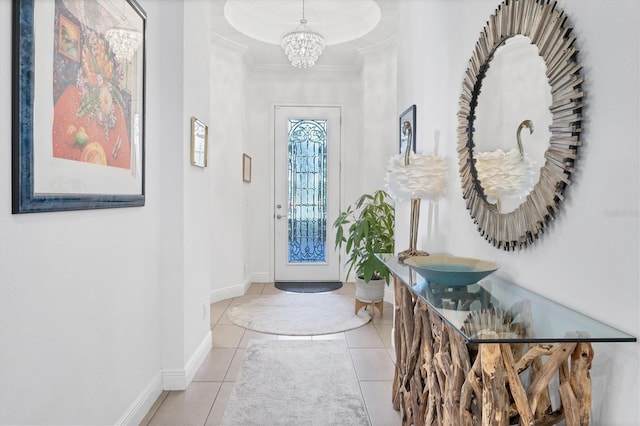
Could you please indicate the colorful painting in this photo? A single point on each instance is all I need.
(91, 102)
(78, 138)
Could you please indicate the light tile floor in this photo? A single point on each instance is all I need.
(204, 401)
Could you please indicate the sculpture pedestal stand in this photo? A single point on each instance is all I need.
(413, 233)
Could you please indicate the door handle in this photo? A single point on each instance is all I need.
(279, 216)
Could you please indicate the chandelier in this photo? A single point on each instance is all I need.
(303, 46)
(123, 42)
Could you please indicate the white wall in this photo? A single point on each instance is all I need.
(175, 94)
(588, 258)
(227, 197)
(367, 98)
(99, 309)
(171, 200)
(197, 184)
(379, 118)
(288, 86)
(79, 299)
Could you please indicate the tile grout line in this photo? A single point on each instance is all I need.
(162, 396)
(364, 401)
(235, 353)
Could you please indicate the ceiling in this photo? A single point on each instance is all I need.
(348, 26)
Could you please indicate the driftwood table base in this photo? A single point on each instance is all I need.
(441, 380)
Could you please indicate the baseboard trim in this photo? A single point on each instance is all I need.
(238, 289)
(198, 357)
(167, 379)
(143, 403)
(261, 277)
(180, 378)
(229, 292)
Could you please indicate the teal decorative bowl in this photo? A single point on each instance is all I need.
(451, 270)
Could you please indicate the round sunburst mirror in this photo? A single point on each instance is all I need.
(520, 122)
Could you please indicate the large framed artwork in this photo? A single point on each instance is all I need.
(78, 98)
(407, 129)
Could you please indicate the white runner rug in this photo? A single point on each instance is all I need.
(296, 382)
(299, 314)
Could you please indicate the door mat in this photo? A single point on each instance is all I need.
(308, 286)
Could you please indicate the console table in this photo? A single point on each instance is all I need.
(487, 353)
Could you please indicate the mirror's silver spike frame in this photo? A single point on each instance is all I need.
(544, 24)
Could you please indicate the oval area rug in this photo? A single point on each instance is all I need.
(299, 314)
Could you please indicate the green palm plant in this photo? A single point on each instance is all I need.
(365, 228)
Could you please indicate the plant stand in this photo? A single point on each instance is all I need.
(369, 305)
(369, 294)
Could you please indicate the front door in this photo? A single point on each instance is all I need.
(307, 192)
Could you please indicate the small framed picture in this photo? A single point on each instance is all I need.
(246, 168)
(199, 143)
(407, 129)
(69, 35)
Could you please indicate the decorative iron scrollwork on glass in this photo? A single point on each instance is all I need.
(307, 191)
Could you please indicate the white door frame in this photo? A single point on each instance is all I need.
(336, 199)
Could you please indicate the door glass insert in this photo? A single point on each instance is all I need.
(307, 191)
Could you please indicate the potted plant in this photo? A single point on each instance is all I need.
(365, 228)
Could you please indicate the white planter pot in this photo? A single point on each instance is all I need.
(373, 291)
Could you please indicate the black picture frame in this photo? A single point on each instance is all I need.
(68, 169)
(408, 115)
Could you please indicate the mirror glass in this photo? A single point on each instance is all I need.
(513, 105)
(523, 79)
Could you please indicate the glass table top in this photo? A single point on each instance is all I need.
(495, 310)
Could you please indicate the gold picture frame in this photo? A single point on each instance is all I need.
(199, 143)
(246, 168)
